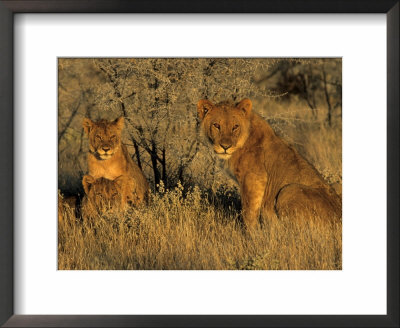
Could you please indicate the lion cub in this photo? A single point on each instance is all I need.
(108, 158)
(274, 179)
(102, 195)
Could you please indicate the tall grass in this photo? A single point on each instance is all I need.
(187, 232)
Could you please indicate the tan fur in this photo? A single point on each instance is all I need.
(103, 195)
(274, 179)
(108, 158)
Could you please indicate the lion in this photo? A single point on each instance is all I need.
(274, 179)
(102, 195)
(108, 158)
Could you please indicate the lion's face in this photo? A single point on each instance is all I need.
(102, 193)
(104, 136)
(225, 125)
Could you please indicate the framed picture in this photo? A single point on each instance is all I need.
(172, 240)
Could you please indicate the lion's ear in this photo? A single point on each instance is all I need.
(245, 105)
(119, 122)
(119, 181)
(87, 182)
(87, 124)
(203, 107)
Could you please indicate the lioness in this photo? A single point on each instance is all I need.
(108, 158)
(102, 195)
(274, 179)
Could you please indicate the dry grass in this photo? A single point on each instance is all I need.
(191, 233)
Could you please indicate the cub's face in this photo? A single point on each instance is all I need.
(225, 125)
(104, 136)
(102, 193)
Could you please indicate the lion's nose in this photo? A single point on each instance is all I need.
(106, 149)
(226, 146)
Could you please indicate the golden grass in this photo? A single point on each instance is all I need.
(190, 233)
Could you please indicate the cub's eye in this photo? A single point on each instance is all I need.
(216, 125)
(98, 137)
(235, 127)
(113, 137)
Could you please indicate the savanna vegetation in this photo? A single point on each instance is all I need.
(193, 220)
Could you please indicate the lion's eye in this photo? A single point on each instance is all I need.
(216, 125)
(235, 127)
(113, 137)
(98, 137)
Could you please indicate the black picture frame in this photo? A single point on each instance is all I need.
(7, 10)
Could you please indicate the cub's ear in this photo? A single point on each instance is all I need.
(119, 181)
(87, 182)
(119, 122)
(245, 105)
(87, 124)
(203, 107)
